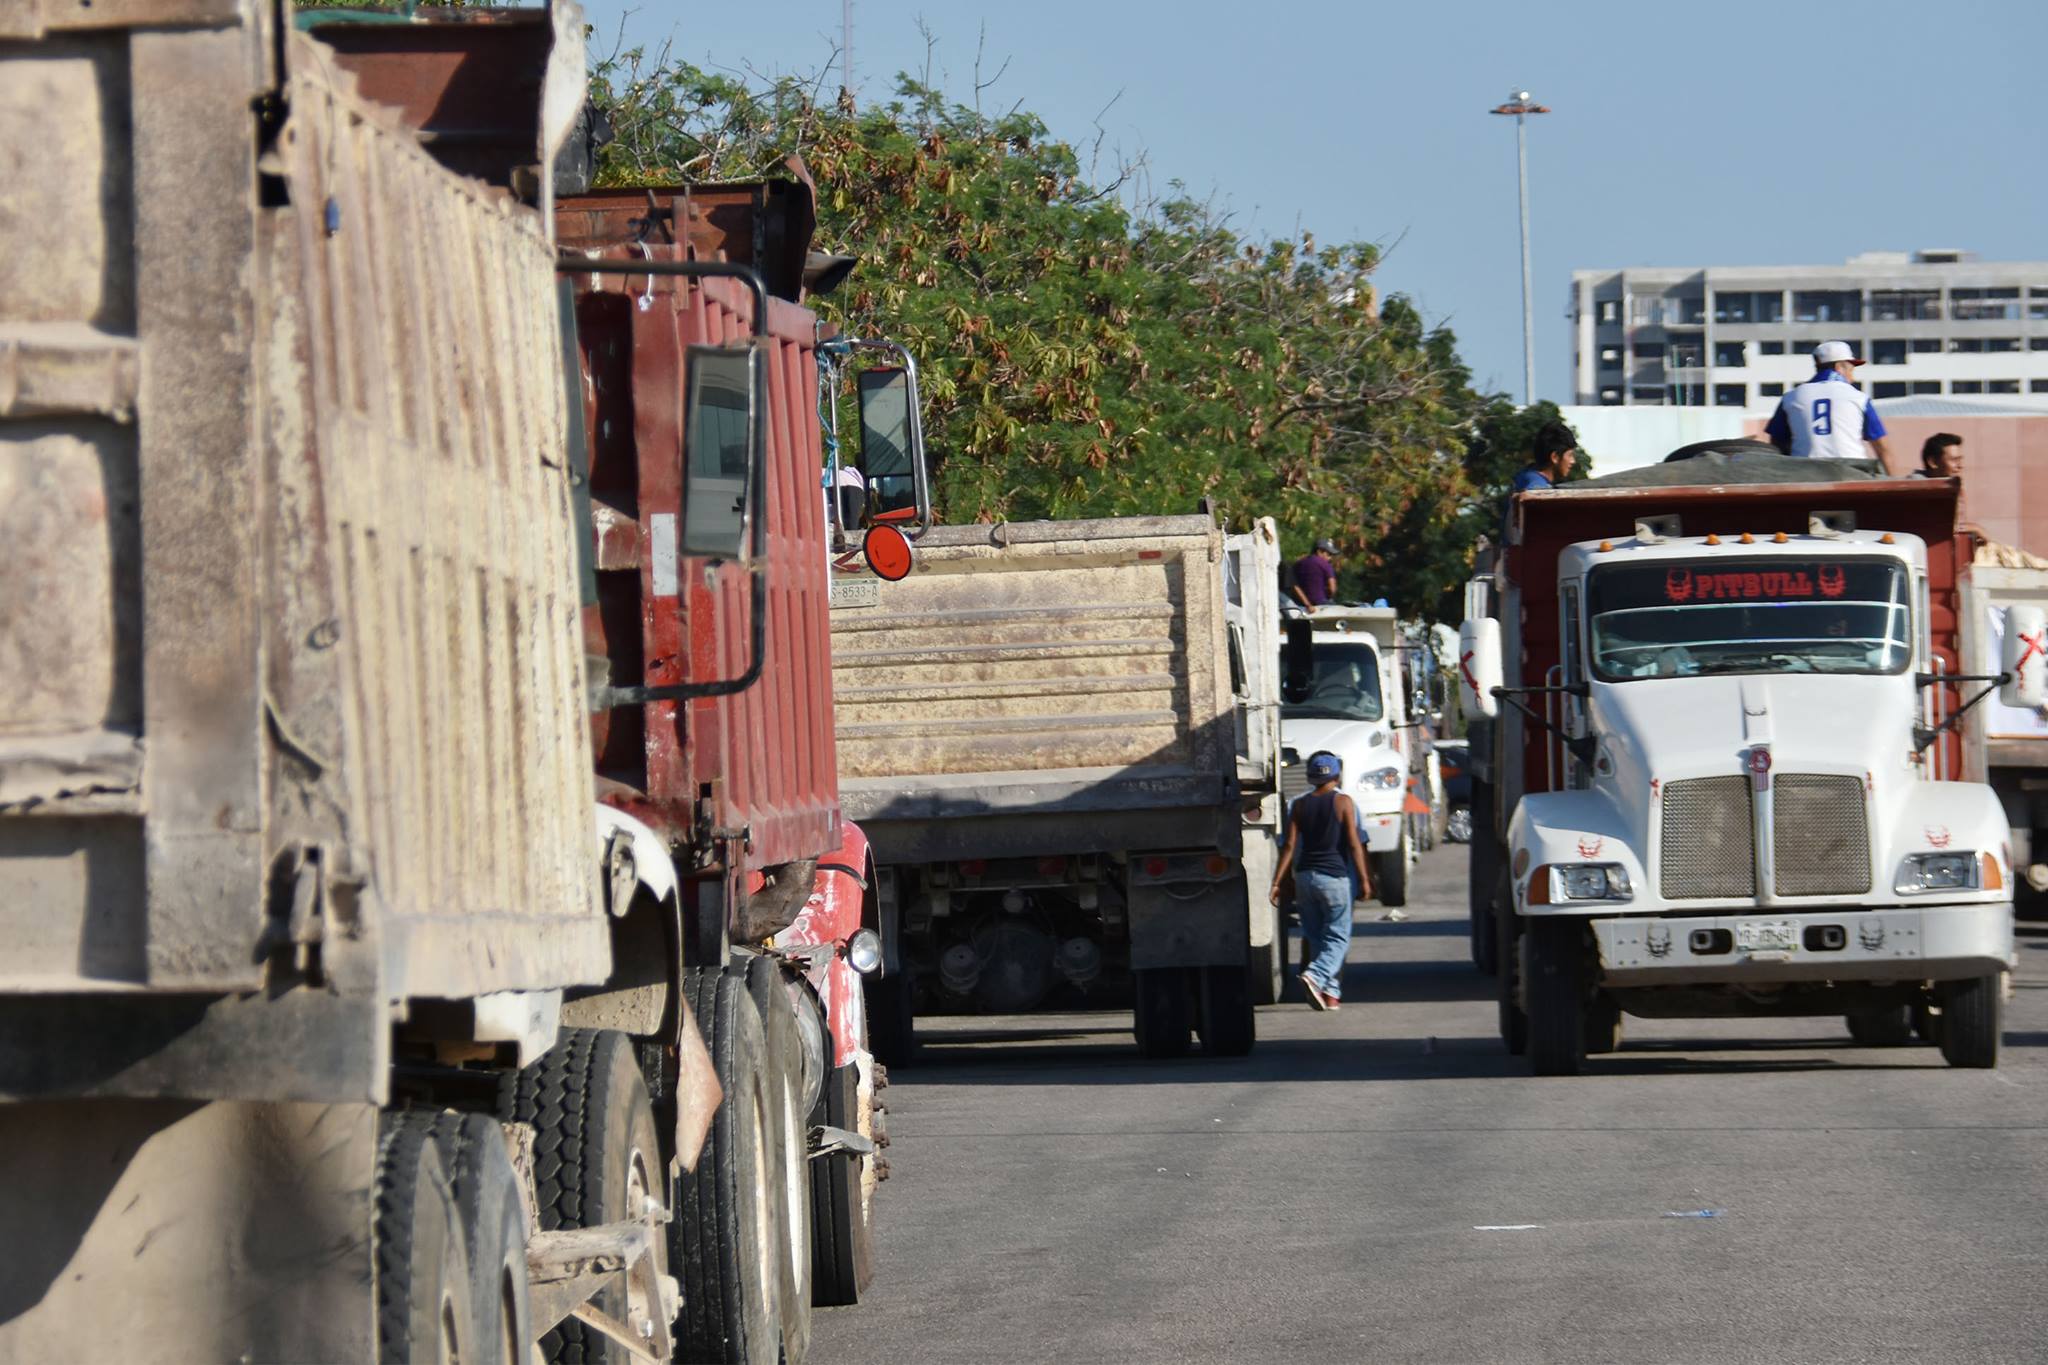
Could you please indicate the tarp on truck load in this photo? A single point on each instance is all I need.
(1728, 466)
(1058, 669)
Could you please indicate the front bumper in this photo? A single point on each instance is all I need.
(1381, 830)
(1887, 943)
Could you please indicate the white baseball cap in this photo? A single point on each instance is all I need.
(1834, 353)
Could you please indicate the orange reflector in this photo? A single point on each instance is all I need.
(1605, 546)
(1539, 885)
(1748, 539)
(1994, 880)
(887, 551)
(1780, 538)
(1217, 864)
(1887, 539)
(1713, 539)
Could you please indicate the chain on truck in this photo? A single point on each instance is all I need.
(430, 925)
(1720, 702)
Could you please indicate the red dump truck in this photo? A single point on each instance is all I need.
(426, 924)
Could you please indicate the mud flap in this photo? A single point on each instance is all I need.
(1189, 924)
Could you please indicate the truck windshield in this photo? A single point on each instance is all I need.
(1748, 616)
(1345, 684)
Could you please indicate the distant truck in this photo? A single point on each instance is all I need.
(1346, 689)
(1036, 731)
(2011, 740)
(1726, 769)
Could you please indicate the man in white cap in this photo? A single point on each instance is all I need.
(1828, 417)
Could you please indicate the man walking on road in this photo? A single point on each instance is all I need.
(1322, 850)
(1828, 417)
(1315, 576)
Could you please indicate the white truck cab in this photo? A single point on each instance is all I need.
(1746, 810)
(1348, 697)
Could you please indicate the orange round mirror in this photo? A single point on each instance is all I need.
(887, 551)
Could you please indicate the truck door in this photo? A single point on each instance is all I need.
(1572, 670)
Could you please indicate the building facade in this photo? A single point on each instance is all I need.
(1928, 322)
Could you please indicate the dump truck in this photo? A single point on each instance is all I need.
(1251, 608)
(1728, 776)
(340, 1019)
(2011, 741)
(1036, 731)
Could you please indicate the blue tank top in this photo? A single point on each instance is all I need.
(1319, 833)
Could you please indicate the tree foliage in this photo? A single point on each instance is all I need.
(1083, 356)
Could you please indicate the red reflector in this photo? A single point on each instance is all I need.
(973, 868)
(1151, 554)
(1217, 865)
(1539, 885)
(1155, 867)
(1051, 867)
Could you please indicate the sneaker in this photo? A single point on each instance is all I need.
(1396, 916)
(1332, 1003)
(1316, 999)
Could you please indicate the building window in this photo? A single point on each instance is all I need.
(1892, 352)
(1688, 354)
(2037, 343)
(1927, 386)
(1689, 395)
(1827, 305)
(1905, 305)
(1610, 398)
(1649, 350)
(1729, 354)
(2002, 386)
(1610, 357)
(1893, 388)
(2001, 343)
(1692, 310)
(1967, 386)
(1731, 307)
(1770, 348)
(1770, 390)
(1646, 395)
(1925, 345)
(1970, 344)
(1770, 306)
(1984, 305)
(1730, 395)
(2037, 386)
(1608, 310)
(2037, 304)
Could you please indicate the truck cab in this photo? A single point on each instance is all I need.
(1734, 791)
(1342, 691)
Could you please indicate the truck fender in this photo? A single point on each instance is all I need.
(1550, 828)
(1945, 817)
(634, 859)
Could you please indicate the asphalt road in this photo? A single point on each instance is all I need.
(1386, 1184)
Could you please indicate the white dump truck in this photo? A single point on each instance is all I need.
(1727, 769)
(2012, 740)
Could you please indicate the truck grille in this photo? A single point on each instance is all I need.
(1708, 847)
(1293, 783)
(1820, 835)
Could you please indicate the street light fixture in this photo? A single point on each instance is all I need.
(1521, 106)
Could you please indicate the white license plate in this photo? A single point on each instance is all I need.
(857, 592)
(1767, 936)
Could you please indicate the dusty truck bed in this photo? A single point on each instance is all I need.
(1045, 687)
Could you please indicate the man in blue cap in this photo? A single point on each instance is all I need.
(1322, 850)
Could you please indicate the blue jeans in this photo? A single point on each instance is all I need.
(1324, 904)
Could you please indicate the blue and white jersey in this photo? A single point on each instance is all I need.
(1826, 418)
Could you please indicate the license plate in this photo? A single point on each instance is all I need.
(1767, 936)
(857, 592)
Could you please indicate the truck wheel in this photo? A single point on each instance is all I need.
(1514, 1021)
(596, 1160)
(1225, 1021)
(790, 1144)
(1892, 1027)
(1556, 964)
(424, 1311)
(1603, 1024)
(1390, 875)
(1267, 962)
(892, 1017)
(842, 1213)
(1163, 1014)
(724, 1235)
(493, 1215)
(1970, 1021)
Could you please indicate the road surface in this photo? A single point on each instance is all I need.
(1385, 1184)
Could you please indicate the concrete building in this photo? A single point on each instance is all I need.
(1929, 322)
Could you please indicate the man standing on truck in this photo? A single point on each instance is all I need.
(1828, 417)
(1315, 576)
(1322, 838)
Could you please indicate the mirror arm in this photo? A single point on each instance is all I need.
(607, 698)
(1925, 735)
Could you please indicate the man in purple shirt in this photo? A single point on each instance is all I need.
(1315, 577)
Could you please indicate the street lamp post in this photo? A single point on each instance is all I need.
(1520, 105)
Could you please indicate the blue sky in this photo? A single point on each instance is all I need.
(1737, 133)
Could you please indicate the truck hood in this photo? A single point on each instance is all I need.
(1363, 745)
(1691, 727)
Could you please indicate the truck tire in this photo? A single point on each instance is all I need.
(596, 1160)
(1163, 1011)
(1556, 963)
(493, 1215)
(424, 1311)
(842, 1214)
(1267, 962)
(724, 1236)
(1970, 1021)
(1224, 1016)
(1514, 1021)
(1891, 1027)
(790, 1141)
(1603, 1024)
(1390, 874)
(892, 1016)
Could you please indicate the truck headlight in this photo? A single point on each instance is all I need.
(1381, 779)
(1557, 883)
(1924, 872)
